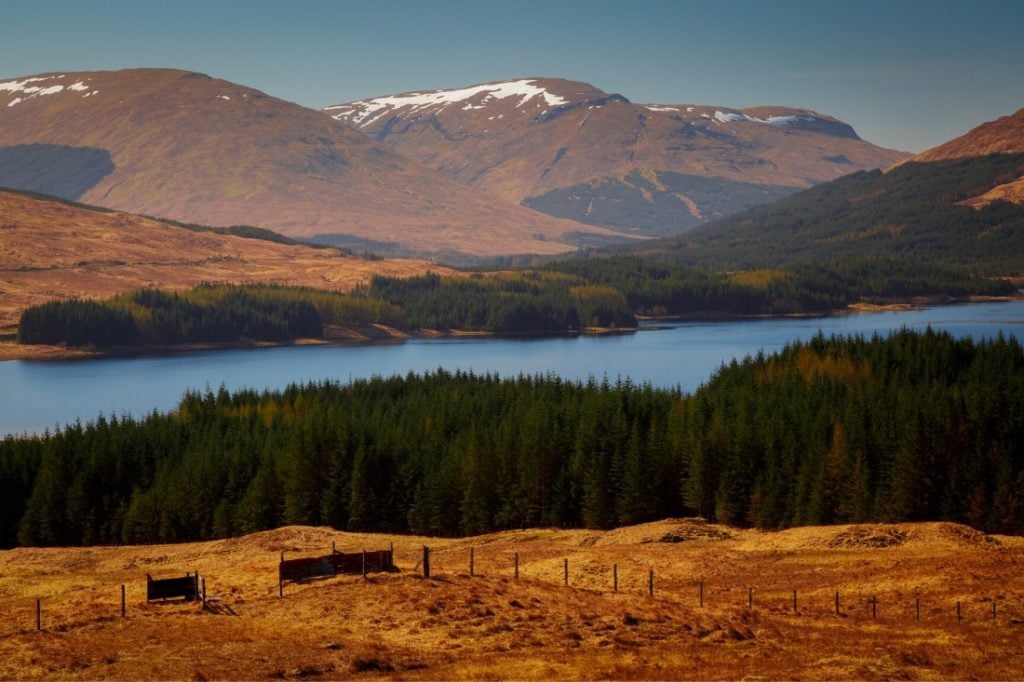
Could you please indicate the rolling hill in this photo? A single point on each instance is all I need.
(197, 149)
(52, 249)
(573, 151)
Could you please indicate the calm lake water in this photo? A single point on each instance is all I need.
(39, 395)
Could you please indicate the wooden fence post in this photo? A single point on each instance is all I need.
(615, 577)
(874, 607)
(334, 547)
(993, 609)
(471, 562)
(700, 592)
(204, 590)
(122, 601)
(39, 615)
(958, 611)
(517, 566)
(364, 564)
(565, 572)
(280, 580)
(917, 606)
(837, 602)
(794, 602)
(650, 583)
(426, 561)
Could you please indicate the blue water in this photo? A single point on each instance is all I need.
(39, 395)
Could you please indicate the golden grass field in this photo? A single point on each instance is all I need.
(492, 626)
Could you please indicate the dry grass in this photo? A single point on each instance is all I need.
(491, 626)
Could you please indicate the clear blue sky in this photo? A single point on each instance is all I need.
(908, 74)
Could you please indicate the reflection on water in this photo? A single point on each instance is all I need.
(37, 395)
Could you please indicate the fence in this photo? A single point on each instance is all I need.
(186, 588)
(332, 564)
(820, 601)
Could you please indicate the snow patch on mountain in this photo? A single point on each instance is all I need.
(27, 90)
(732, 117)
(364, 111)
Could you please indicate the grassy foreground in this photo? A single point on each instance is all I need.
(492, 626)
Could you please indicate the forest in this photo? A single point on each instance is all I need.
(607, 292)
(912, 426)
(658, 286)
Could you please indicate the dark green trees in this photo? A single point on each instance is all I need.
(911, 427)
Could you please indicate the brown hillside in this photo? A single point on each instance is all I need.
(492, 626)
(197, 149)
(521, 140)
(1005, 135)
(49, 249)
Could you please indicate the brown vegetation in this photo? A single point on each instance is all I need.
(493, 626)
(53, 250)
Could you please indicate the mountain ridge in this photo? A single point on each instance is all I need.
(572, 150)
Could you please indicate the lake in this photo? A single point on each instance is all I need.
(42, 394)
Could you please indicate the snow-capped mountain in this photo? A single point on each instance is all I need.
(186, 146)
(572, 150)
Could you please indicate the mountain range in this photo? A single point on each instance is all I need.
(537, 166)
(475, 171)
(197, 149)
(574, 151)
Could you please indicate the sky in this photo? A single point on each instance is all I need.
(906, 74)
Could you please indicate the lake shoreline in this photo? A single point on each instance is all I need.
(383, 335)
(44, 353)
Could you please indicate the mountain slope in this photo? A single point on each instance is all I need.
(572, 150)
(186, 146)
(1002, 136)
(915, 211)
(50, 249)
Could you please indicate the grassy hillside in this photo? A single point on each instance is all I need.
(490, 626)
(55, 249)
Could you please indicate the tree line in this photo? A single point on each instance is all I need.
(915, 426)
(606, 292)
(655, 285)
(207, 313)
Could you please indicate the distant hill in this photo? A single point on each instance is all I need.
(52, 249)
(202, 150)
(571, 150)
